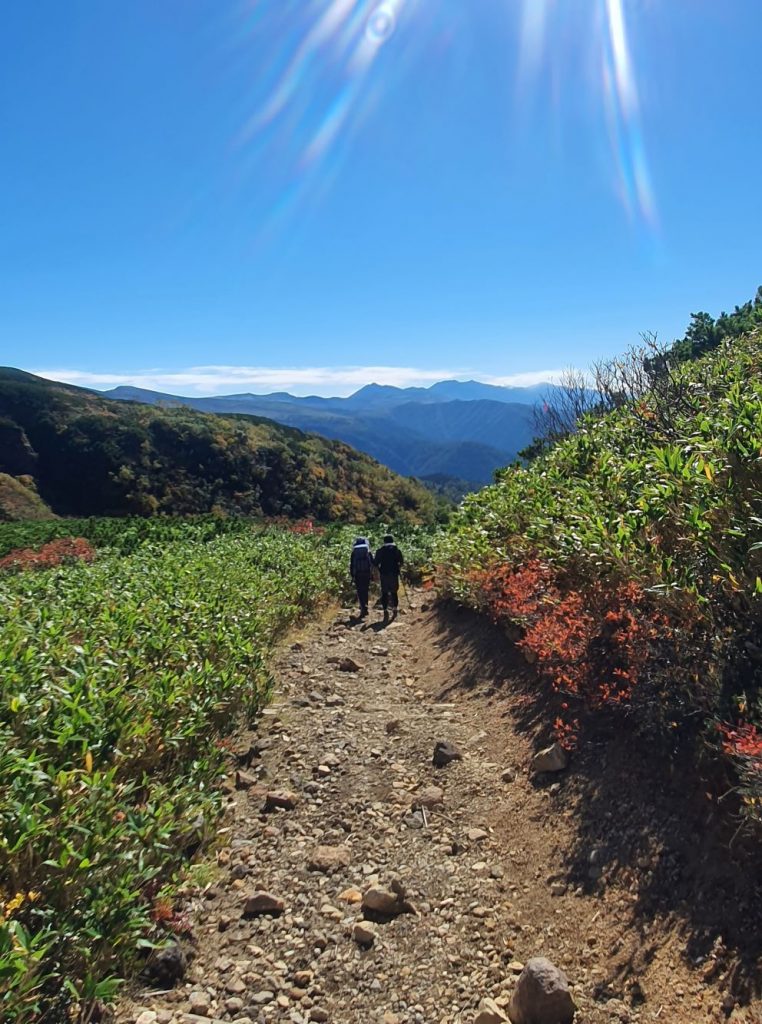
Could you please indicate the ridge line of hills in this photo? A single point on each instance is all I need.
(461, 430)
(86, 454)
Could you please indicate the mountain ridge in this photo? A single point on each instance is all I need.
(464, 430)
(449, 390)
(92, 455)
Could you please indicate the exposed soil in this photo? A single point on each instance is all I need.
(625, 883)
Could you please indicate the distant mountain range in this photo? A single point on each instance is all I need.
(454, 429)
(76, 452)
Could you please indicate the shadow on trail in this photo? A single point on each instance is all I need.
(647, 825)
(375, 626)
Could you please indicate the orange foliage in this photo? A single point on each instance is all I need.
(594, 645)
(744, 741)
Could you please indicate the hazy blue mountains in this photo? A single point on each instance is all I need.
(460, 429)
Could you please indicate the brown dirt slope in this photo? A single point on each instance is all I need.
(623, 883)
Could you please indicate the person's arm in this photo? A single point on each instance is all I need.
(352, 564)
(400, 559)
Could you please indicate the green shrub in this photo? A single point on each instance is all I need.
(665, 493)
(119, 680)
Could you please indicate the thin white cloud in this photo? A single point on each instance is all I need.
(198, 381)
(525, 380)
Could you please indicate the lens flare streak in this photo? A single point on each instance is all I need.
(534, 26)
(623, 104)
(321, 89)
(323, 83)
(544, 39)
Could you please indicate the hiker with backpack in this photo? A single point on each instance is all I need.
(389, 562)
(360, 569)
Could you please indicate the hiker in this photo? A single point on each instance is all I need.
(360, 568)
(389, 561)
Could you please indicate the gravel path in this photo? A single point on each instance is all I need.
(341, 797)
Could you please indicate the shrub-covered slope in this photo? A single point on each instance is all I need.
(20, 501)
(629, 559)
(92, 456)
(122, 676)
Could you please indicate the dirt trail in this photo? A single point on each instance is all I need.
(488, 872)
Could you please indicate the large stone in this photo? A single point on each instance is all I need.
(477, 835)
(541, 995)
(386, 902)
(552, 759)
(243, 780)
(382, 901)
(330, 858)
(364, 934)
(261, 903)
(428, 797)
(444, 753)
(490, 1013)
(200, 1003)
(280, 800)
(350, 665)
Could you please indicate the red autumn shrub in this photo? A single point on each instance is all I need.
(65, 549)
(743, 741)
(516, 593)
(597, 644)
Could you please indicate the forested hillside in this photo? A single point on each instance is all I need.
(627, 560)
(459, 429)
(92, 456)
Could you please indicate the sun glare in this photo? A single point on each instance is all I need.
(543, 49)
(319, 87)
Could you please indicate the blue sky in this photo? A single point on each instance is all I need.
(222, 195)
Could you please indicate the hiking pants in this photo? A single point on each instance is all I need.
(390, 584)
(362, 585)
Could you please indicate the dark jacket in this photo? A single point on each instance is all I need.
(389, 560)
(361, 561)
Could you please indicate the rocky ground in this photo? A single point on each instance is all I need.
(356, 881)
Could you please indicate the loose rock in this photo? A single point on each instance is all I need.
(364, 934)
(490, 1013)
(261, 903)
(444, 753)
(330, 858)
(542, 995)
(199, 1003)
(385, 902)
(429, 797)
(280, 799)
(552, 759)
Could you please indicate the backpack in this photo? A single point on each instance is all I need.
(361, 559)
